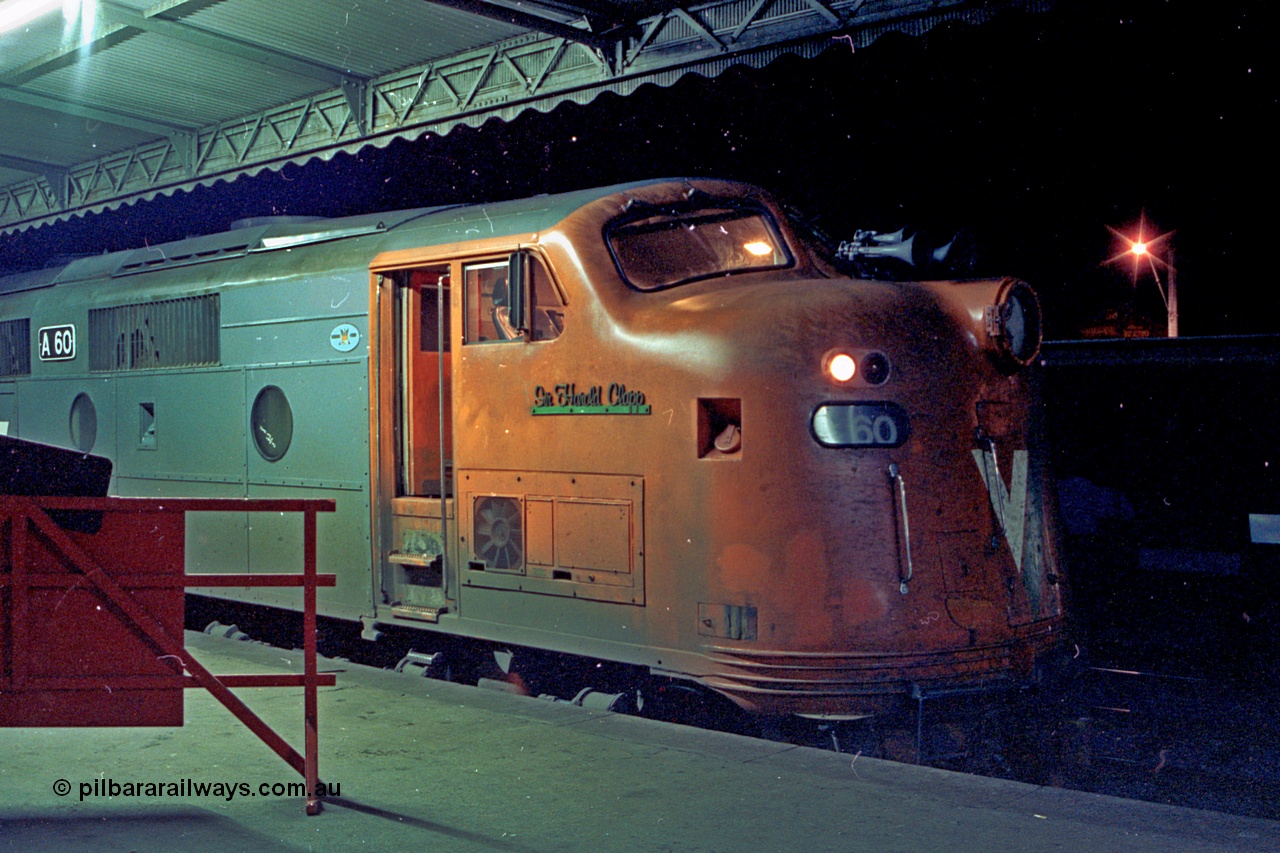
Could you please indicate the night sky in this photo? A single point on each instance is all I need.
(1036, 132)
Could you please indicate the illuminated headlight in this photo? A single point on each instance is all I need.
(860, 425)
(1013, 324)
(841, 366)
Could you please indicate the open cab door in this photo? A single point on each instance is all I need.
(411, 419)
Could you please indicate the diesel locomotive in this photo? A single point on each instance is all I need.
(656, 424)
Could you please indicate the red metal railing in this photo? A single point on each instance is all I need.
(92, 630)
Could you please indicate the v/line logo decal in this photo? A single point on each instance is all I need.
(1008, 502)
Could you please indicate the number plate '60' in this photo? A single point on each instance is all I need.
(860, 425)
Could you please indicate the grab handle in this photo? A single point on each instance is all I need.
(896, 478)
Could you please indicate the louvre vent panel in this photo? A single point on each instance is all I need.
(169, 333)
(15, 347)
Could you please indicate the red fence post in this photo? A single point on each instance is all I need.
(310, 700)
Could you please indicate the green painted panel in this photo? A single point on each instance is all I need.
(292, 320)
(8, 409)
(180, 426)
(327, 457)
(219, 542)
(329, 445)
(340, 288)
(294, 342)
(342, 548)
(47, 412)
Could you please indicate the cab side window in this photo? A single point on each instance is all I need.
(488, 302)
(546, 311)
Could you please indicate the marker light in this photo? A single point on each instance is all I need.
(842, 367)
(875, 368)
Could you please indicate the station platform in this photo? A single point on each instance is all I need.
(426, 765)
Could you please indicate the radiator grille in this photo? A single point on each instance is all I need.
(170, 333)
(15, 347)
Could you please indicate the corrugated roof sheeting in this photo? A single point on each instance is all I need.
(191, 87)
(303, 80)
(21, 46)
(367, 38)
(56, 137)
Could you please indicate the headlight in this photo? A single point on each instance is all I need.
(1013, 324)
(842, 366)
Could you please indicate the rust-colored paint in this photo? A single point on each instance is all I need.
(773, 566)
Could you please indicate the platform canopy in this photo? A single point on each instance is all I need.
(106, 102)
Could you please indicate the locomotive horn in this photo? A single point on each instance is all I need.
(912, 250)
(889, 246)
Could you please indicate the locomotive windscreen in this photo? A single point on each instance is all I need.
(670, 248)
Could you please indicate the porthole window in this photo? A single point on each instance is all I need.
(272, 423)
(84, 423)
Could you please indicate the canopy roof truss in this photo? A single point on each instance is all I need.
(137, 100)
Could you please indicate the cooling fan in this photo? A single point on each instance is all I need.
(499, 534)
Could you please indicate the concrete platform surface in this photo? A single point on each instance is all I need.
(427, 765)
